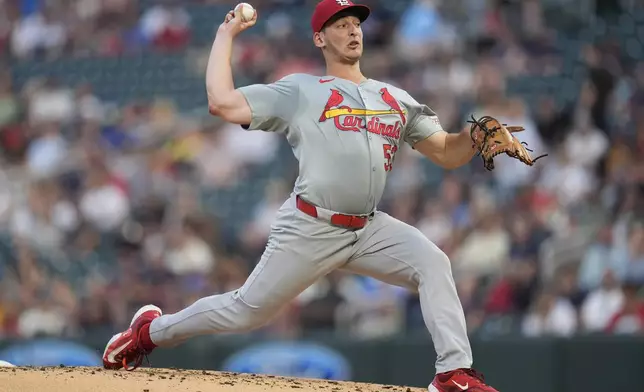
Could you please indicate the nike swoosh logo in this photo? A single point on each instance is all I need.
(327, 81)
(112, 356)
(463, 387)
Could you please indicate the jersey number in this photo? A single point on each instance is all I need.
(389, 151)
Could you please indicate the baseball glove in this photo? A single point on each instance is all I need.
(492, 138)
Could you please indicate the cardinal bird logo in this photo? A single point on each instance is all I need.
(393, 103)
(334, 101)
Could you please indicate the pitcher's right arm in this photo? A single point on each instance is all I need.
(223, 99)
(265, 107)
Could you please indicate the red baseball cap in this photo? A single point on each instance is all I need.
(326, 9)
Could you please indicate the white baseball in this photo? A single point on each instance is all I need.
(246, 11)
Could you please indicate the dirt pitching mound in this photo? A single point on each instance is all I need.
(88, 379)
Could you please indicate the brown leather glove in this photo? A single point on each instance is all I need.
(492, 138)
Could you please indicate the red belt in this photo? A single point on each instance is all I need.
(342, 220)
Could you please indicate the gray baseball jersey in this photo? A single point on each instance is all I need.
(345, 137)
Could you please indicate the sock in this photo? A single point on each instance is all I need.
(144, 338)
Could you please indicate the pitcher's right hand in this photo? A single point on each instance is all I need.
(234, 25)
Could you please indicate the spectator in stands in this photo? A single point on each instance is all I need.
(526, 238)
(553, 122)
(42, 32)
(436, 223)
(88, 106)
(49, 101)
(46, 217)
(629, 319)
(249, 149)
(598, 259)
(186, 253)
(104, 202)
(563, 177)
(585, 141)
(318, 307)
(515, 291)
(48, 313)
(256, 233)
(370, 309)
(555, 310)
(422, 29)
(219, 169)
(602, 304)
(48, 152)
(166, 25)
(486, 249)
(551, 315)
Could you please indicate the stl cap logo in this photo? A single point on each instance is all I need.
(343, 3)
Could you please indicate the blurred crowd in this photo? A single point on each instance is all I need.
(101, 206)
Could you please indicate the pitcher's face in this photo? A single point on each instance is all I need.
(341, 39)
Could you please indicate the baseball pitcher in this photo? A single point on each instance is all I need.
(344, 129)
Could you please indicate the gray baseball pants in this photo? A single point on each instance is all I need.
(302, 249)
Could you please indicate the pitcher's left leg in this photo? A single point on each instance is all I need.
(399, 254)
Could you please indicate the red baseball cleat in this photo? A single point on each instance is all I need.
(460, 380)
(129, 346)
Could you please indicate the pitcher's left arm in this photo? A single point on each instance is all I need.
(425, 134)
(448, 150)
(485, 136)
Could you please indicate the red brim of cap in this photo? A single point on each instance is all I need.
(360, 11)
